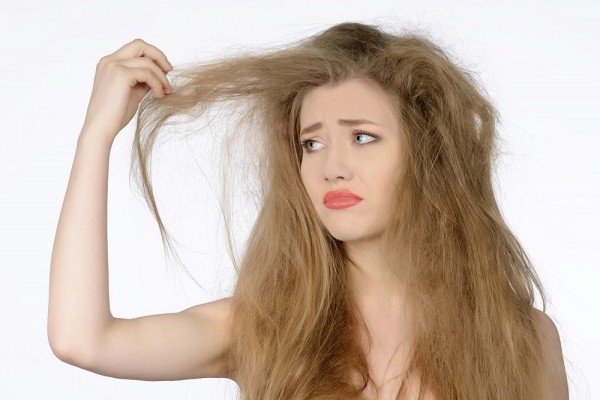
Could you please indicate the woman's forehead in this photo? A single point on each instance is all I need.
(356, 98)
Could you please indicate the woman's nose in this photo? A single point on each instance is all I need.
(337, 163)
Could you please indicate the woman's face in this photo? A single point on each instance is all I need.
(351, 141)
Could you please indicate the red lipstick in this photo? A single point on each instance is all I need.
(340, 199)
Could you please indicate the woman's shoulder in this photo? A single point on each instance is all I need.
(545, 327)
(554, 374)
(214, 321)
(218, 311)
(547, 332)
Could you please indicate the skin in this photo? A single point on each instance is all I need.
(195, 342)
(339, 157)
(82, 331)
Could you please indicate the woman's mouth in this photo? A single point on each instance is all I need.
(340, 199)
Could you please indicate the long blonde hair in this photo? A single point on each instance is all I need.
(468, 279)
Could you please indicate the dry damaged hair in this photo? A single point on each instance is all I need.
(467, 277)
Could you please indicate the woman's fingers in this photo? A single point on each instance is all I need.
(122, 79)
(147, 64)
(142, 75)
(140, 48)
(136, 71)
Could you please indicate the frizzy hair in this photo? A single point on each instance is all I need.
(467, 278)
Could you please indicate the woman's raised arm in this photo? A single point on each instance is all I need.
(81, 329)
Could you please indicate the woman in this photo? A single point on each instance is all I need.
(379, 265)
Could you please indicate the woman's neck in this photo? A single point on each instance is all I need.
(370, 279)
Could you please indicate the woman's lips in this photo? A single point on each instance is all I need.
(340, 199)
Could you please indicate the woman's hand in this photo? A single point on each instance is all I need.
(122, 80)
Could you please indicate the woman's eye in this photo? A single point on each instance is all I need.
(365, 134)
(369, 138)
(305, 145)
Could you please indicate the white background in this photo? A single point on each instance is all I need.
(538, 61)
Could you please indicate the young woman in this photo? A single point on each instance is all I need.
(379, 265)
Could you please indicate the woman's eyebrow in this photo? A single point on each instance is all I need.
(345, 122)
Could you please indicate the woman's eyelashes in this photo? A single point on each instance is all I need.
(305, 143)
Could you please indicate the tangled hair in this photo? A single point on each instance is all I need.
(467, 277)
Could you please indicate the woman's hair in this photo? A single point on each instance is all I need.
(468, 280)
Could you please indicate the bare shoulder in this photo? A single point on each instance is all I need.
(216, 324)
(218, 308)
(555, 376)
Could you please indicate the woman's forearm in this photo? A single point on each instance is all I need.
(79, 309)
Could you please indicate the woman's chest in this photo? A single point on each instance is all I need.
(388, 354)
